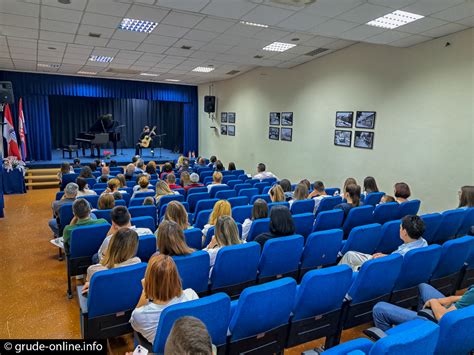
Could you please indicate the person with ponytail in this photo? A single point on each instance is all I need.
(352, 196)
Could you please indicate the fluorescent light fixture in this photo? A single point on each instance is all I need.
(253, 24)
(148, 74)
(46, 65)
(130, 24)
(173, 80)
(394, 19)
(100, 58)
(203, 69)
(278, 47)
(86, 72)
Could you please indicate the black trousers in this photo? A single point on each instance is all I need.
(138, 147)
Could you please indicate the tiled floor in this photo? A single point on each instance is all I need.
(33, 282)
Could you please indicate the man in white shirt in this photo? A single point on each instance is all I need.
(262, 173)
(318, 194)
(120, 219)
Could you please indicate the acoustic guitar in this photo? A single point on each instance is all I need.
(145, 142)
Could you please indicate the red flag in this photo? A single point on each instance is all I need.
(10, 135)
(22, 129)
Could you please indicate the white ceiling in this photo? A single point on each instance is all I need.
(49, 32)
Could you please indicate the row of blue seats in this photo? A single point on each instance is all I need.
(292, 315)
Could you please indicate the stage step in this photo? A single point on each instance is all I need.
(42, 183)
(41, 178)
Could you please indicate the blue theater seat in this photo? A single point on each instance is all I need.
(194, 271)
(386, 212)
(363, 239)
(238, 201)
(390, 239)
(265, 197)
(193, 237)
(357, 216)
(146, 247)
(194, 198)
(225, 194)
(241, 213)
(302, 206)
(409, 208)
(202, 218)
(303, 223)
(328, 203)
(258, 227)
(432, 223)
(451, 221)
(326, 220)
(373, 198)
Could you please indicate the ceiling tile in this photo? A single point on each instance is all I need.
(302, 37)
(387, 37)
(161, 40)
(331, 8)
(181, 19)
(129, 35)
(147, 13)
(229, 9)
(204, 54)
(428, 7)
(19, 21)
(75, 5)
(55, 13)
(131, 55)
(152, 48)
(107, 7)
(421, 25)
(394, 4)
(105, 51)
(120, 44)
(468, 21)
(58, 26)
(198, 35)
(179, 52)
(104, 21)
(410, 41)
(319, 41)
(361, 32)
(444, 30)
(170, 31)
(215, 48)
(84, 30)
(242, 30)
(19, 8)
(91, 41)
(456, 13)
(267, 15)
(18, 32)
(76, 48)
(332, 27)
(214, 25)
(365, 13)
(195, 45)
(339, 44)
(194, 5)
(22, 42)
(270, 34)
(302, 21)
(70, 60)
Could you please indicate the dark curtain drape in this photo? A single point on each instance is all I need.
(37, 89)
(71, 115)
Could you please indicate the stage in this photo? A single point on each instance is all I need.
(122, 159)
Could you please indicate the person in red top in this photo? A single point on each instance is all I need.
(171, 181)
(194, 182)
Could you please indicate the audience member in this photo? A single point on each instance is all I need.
(65, 169)
(349, 181)
(318, 194)
(140, 167)
(221, 208)
(401, 192)
(70, 194)
(86, 173)
(411, 233)
(113, 163)
(102, 179)
(301, 193)
(129, 172)
(161, 288)
(171, 181)
(466, 197)
(112, 186)
(117, 195)
(216, 181)
(231, 166)
(122, 251)
(170, 240)
(370, 185)
(135, 159)
(185, 167)
(262, 173)
(106, 202)
(93, 166)
(177, 213)
(162, 189)
(219, 166)
(76, 163)
(122, 180)
(387, 198)
(212, 161)
(151, 168)
(143, 186)
(167, 169)
(259, 210)
(201, 162)
(307, 183)
(286, 186)
(148, 201)
(194, 182)
(84, 188)
(184, 179)
(276, 194)
(189, 336)
(105, 172)
(352, 195)
(281, 225)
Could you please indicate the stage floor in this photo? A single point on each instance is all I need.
(57, 157)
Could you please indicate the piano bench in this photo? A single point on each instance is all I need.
(71, 149)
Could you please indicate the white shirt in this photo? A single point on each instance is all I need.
(145, 319)
(317, 201)
(246, 228)
(210, 186)
(86, 192)
(265, 175)
(212, 257)
(206, 228)
(105, 244)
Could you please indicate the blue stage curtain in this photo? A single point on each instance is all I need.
(40, 86)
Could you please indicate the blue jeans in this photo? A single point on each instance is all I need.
(53, 224)
(387, 315)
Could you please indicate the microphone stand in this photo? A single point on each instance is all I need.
(160, 143)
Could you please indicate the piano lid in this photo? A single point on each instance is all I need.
(103, 124)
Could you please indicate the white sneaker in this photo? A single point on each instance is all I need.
(58, 242)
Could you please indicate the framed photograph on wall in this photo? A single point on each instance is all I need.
(223, 130)
(274, 118)
(287, 118)
(231, 117)
(344, 119)
(342, 138)
(286, 134)
(274, 133)
(231, 130)
(364, 139)
(365, 119)
(224, 117)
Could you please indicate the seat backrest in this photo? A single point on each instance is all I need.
(86, 240)
(239, 187)
(280, 256)
(137, 201)
(146, 247)
(258, 227)
(239, 172)
(418, 266)
(227, 178)
(243, 177)
(328, 203)
(59, 195)
(210, 233)
(145, 194)
(205, 205)
(92, 199)
(252, 181)
(321, 248)
(213, 311)
(455, 335)
(194, 270)
(255, 313)
(390, 239)
(232, 183)
(302, 206)
(168, 198)
(115, 290)
(65, 215)
(467, 223)
(195, 197)
(376, 278)
(386, 212)
(241, 213)
(303, 223)
(266, 189)
(326, 220)
(332, 190)
(165, 206)
(100, 185)
(265, 197)
(131, 183)
(271, 204)
(432, 223)
(195, 190)
(202, 218)
(261, 185)
(373, 198)
(105, 214)
(453, 255)
(193, 237)
(357, 216)
(238, 201)
(67, 178)
(216, 188)
(248, 192)
(144, 222)
(205, 174)
(229, 269)
(409, 208)
(138, 211)
(363, 239)
(450, 223)
(311, 302)
(120, 203)
(225, 194)
(180, 190)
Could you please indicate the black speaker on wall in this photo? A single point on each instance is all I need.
(6, 92)
(209, 104)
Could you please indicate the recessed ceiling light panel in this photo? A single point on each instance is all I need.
(394, 19)
(86, 72)
(278, 47)
(47, 65)
(173, 80)
(101, 58)
(253, 24)
(130, 24)
(148, 74)
(203, 69)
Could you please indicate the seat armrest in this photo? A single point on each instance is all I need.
(428, 314)
(375, 333)
(360, 344)
(82, 300)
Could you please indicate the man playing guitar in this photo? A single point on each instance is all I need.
(145, 140)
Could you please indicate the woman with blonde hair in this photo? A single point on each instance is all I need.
(122, 180)
(162, 287)
(162, 189)
(143, 184)
(185, 179)
(276, 194)
(216, 181)
(226, 233)
(170, 240)
(176, 212)
(106, 202)
(122, 251)
(301, 193)
(349, 181)
(221, 208)
(112, 186)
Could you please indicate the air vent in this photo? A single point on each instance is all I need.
(122, 71)
(233, 72)
(186, 47)
(258, 56)
(317, 51)
(296, 3)
(95, 35)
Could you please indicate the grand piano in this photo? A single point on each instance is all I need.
(99, 134)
